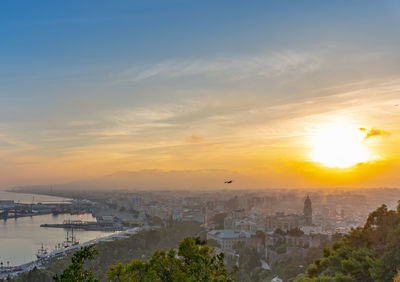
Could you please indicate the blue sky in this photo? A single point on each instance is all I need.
(132, 80)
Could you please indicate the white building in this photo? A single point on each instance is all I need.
(227, 238)
(136, 203)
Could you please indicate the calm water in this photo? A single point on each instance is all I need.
(21, 238)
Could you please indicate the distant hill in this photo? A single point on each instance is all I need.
(165, 180)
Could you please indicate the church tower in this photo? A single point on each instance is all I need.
(307, 212)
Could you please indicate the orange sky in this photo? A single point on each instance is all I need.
(273, 145)
(288, 95)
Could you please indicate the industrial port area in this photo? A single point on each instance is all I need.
(105, 221)
(12, 209)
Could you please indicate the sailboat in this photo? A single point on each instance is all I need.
(42, 253)
(70, 240)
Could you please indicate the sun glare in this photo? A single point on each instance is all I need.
(339, 145)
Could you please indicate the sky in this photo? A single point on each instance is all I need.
(290, 93)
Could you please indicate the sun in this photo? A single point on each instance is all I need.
(339, 145)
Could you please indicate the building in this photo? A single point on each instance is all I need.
(307, 212)
(157, 211)
(287, 222)
(283, 221)
(246, 225)
(136, 203)
(227, 238)
(228, 222)
(238, 214)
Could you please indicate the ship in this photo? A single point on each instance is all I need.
(42, 253)
(70, 240)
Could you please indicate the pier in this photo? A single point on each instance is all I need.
(85, 225)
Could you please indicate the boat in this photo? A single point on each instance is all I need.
(42, 253)
(70, 240)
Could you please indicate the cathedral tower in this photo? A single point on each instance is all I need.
(307, 212)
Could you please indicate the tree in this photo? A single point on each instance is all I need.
(279, 231)
(295, 232)
(34, 275)
(388, 264)
(76, 271)
(249, 263)
(194, 261)
(371, 253)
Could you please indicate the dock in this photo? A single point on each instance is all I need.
(85, 225)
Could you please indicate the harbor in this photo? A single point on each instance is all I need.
(70, 245)
(21, 235)
(38, 229)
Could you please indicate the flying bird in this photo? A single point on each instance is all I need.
(228, 181)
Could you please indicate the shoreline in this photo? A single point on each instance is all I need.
(13, 271)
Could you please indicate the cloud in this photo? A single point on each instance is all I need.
(374, 132)
(194, 139)
(141, 121)
(271, 64)
(81, 123)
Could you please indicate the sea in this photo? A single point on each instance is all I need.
(21, 238)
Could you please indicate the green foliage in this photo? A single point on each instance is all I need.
(249, 264)
(281, 248)
(76, 270)
(295, 232)
(260, 236)
(194, 261)
(141, 245)
(279, 231)
(34, 275)
(388, 264)
(371, 253)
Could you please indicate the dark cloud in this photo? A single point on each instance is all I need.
(374, 132)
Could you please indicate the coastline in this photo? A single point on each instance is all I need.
(59, 254)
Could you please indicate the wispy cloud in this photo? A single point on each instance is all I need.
(194, 139)
(234, 67)
(144, 120)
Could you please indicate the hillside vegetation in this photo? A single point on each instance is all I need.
(367, 254)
